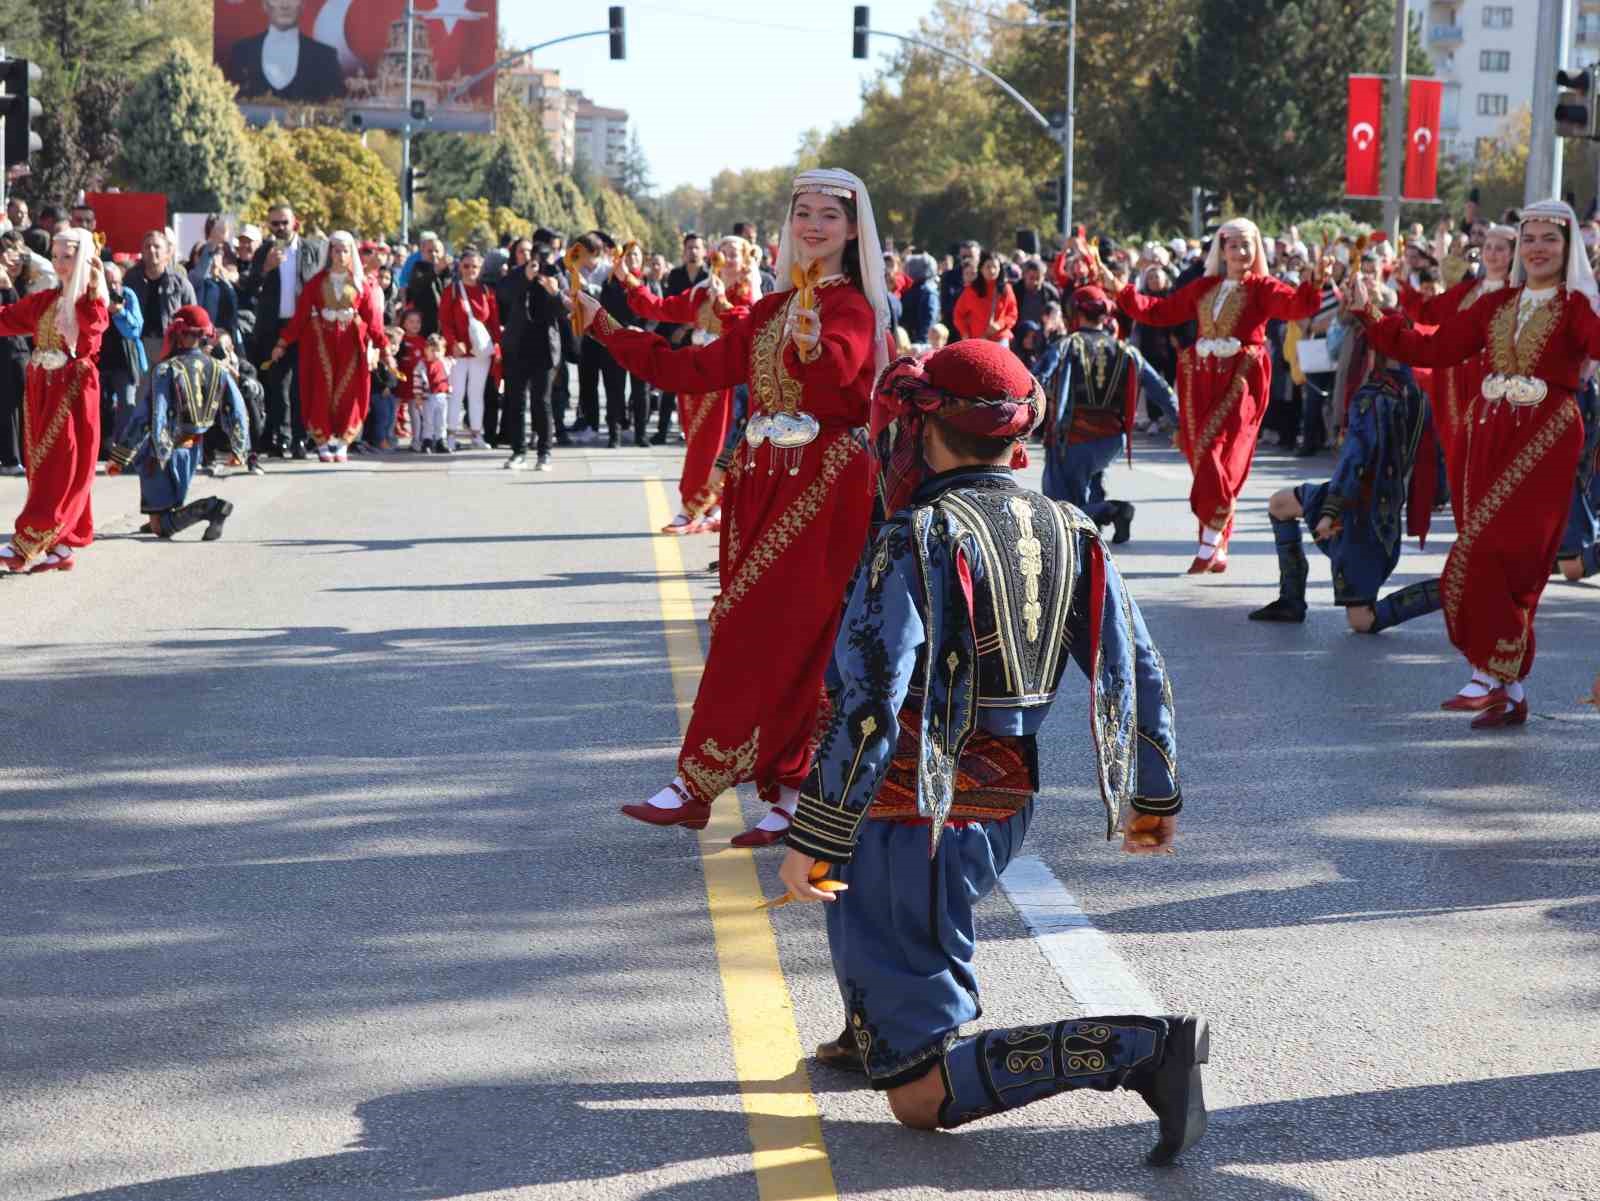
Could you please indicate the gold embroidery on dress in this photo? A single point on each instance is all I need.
(1476, 520)
(1225, 407)
(1506, 662)
(37, 451)
(47, 336)
(713, 770)
(1514, 354)
(776, 390)
(30, 541)
(1220, 326)
(1031, 553)
(795, 518)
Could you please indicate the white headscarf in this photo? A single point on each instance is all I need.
(345, 236)
(1580, 276)
(76, 284)
(834, 182)
(1239, 225)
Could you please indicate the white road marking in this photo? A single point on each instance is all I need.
(1098, 978)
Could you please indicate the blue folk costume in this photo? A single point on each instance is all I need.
(1093, 389)
(164, 438)
(1582, 539)
(1379, 492)
(957, 631)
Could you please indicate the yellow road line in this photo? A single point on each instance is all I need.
(791, 1161)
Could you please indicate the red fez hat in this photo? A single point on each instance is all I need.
(190, 319)
(977, 370)
(1091, 301)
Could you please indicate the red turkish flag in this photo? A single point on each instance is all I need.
(1422, 140)
(1363, 165)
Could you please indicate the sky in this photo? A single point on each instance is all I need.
(715, 83)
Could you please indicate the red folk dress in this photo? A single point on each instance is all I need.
(705, 416)
(794, 523)
(334, 333)
(61, 424)
(1518, 459)
(1223, 396)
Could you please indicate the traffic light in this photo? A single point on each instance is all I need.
(19, 108)
(416, 185)
(1050, 193)
(1577, 110)
(619, 49)
(357, 121)
(1205, 212)
(419, 110)
(858, 44)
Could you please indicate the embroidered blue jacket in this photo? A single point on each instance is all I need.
(969, 604)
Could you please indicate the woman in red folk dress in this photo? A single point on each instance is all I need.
(724, 297)
(61, 424)
(1520, 441)
(1454, 388)
(1224, 378)
(797, 506)
(338, 324)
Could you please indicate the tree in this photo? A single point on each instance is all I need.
(288, 180)
(635, 183)
(1502, 165)
(182, 135)
(359, 193)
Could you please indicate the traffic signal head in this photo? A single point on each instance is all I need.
(20, 108)
(419, 110)
(858, 43)
(1578, 106)
(619, 48)
(416, 184)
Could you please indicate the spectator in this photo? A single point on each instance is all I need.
(50, 217)
(469, 319)
(278, 274)
(987, 308)
(159, 289)
(123, 363)
(17, 214)
(1034, 293)
(532, 355)
(430, 276)
(955, 280)
(919, 304)
(680, 279)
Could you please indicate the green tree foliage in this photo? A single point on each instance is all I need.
(286, 180)
(182, 134)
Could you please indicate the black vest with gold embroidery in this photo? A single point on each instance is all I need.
(1023, 595)
(198, 390)
(1099, 372)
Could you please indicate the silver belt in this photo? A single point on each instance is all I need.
(1218, 348)
(50, 360)
(1520, 390)
(787, 431)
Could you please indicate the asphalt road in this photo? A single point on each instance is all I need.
(313, 885)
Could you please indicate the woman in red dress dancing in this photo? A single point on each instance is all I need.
(1224, 379)
(339, 326)
(797, 504)
(722, 298)
(1453, 389)
(1520, 440)
(61, 426)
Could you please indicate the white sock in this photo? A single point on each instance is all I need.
(1515, 693)
(1210, 537)
(668, 797)
(1205, 552)
(778, 816)
(1479, 685)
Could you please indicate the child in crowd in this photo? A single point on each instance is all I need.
(380, 417)
(435, 385)
(938, 336)
(412, 391)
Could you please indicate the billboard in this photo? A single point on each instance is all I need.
(348, 57)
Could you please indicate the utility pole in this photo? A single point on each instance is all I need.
(405, 136)
(1072, 121)
(1543, 178)
(1395, 157)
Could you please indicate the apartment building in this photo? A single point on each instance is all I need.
(602, 137)
(1484, 53)
(540, 89)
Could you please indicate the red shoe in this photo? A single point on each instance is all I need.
(1501, 715)
(1199, 566)
(14, 563)
(54, 562)
(756, 837)
(681, 524)
(1475, 704)
(693, 815)
(1219, 561)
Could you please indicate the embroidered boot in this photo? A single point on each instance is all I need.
(1414, 600)
(1292, 574)
(1157, 1057)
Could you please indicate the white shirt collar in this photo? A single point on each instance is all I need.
(280, 56)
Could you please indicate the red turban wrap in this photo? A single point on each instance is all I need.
(976, 386)
(190, 319)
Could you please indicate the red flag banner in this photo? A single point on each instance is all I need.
(1363, 165)
(1422, 140)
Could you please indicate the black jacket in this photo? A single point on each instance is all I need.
(159, 298)
(532, 320)
(422, 293)
(317, 78)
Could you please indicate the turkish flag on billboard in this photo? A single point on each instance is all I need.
(1422, 140)
(1363, 164)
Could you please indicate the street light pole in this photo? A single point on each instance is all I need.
(1393, 170)
(1542, 179)
(1071, 122)
(405, 136)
